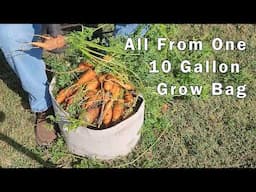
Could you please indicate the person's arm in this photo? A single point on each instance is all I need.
(52, 29)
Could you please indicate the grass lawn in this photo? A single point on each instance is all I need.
(213, 132)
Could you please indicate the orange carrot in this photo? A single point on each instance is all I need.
(128, 98)
(108, 113)
(93, 84)
(115, 91)
(128, 86)
(84, 66)
(87, 76)
(110, 77)
(51, 43)
(70, 100)
(108, 85)
(92, 100)
(92, 114)
(63, 94)
(91, 93)
(118, 110)
(102, 77)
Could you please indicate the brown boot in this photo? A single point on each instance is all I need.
(44, 130)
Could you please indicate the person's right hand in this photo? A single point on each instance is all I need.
(53, 39)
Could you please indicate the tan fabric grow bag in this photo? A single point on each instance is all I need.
(105, 144)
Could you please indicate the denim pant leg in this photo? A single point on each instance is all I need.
(128, 29)
(26, 62)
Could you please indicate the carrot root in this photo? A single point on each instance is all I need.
(108, 113)
(118, 110)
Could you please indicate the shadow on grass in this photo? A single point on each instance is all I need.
(2, 116)
(12, 81)
(26, 151)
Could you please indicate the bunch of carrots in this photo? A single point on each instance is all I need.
(104, 99)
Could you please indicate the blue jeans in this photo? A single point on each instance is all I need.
(128, 29)
(27, 62)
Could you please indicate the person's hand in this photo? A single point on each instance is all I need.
(52, 44)
(56, 42)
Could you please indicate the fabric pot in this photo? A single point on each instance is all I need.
(105, 144)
